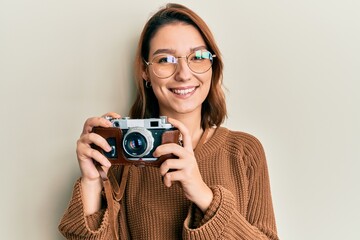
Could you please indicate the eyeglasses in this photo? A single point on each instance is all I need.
(165, 65)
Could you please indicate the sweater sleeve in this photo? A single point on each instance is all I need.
(75, 225)
(223, 220)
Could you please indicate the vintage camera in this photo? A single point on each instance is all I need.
(133, 141)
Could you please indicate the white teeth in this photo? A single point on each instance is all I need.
(183, 91)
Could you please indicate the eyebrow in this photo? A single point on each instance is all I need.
(172, 51)
(164, 50)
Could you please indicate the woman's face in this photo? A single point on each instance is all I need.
(184, 91)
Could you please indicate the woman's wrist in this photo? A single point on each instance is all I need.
(91, 195)
(205, 199)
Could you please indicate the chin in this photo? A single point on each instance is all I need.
(186, 110)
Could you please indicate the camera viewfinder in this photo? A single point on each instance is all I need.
(154, 124)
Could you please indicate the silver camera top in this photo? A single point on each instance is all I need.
(148, 123)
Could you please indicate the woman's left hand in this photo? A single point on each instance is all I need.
(185, 169)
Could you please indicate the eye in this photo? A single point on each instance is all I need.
(200, 55)
(163, 59)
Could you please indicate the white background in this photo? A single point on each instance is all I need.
(292, 79)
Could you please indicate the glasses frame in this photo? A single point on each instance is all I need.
(177, 63)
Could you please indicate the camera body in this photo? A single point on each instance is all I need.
(133, 141)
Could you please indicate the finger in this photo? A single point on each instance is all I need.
(170, 148)
(187, 142)
(112, 114)
(95, 122)
(97, 156)
(93, 138)
(170, 164)
(170, 177)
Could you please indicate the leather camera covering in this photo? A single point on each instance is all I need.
(115, 134)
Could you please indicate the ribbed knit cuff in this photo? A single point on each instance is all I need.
(75, 225)
(94, 220)
(215, 218)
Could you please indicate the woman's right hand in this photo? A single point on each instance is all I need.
(91, 183)
(86, 155)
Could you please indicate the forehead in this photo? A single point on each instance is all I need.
(178, 38)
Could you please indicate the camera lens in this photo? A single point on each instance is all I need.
(138, 142)
(135, 144)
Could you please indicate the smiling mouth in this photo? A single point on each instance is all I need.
(183, 91)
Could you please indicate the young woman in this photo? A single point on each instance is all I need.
(218, 186)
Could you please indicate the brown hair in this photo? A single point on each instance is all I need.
(146, 105)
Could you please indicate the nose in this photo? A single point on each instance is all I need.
(183, 72)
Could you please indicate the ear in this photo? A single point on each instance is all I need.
(144, 75)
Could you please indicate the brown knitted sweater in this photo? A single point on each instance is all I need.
(233, 165)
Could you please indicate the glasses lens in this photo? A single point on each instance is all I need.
(200, 61)
(164, 65)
